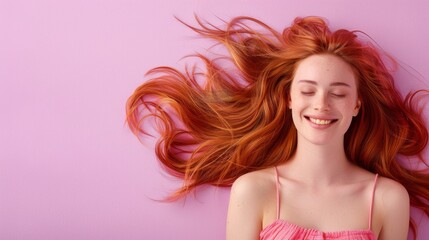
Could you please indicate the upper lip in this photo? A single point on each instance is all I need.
(328, 118)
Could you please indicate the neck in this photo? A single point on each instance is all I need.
(318, 164)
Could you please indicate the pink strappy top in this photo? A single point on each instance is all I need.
(283, 230)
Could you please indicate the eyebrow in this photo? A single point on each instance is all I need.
(332, 84)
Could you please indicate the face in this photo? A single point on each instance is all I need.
(323, 99)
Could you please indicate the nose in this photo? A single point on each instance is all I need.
(321, 102)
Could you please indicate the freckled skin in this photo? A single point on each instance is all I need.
(324, 87)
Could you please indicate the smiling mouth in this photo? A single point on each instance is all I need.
(321, 121)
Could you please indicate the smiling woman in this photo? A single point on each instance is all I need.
(307, 129)
(323, 96)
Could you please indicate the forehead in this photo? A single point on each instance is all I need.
(325, 69)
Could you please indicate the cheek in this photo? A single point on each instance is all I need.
(296, 107)
(349, 109)
(294, 100)
(295, 117)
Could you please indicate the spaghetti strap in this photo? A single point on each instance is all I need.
(282, 229)
(372, 202)
(277, 193)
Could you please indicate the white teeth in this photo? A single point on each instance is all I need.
(320, 121)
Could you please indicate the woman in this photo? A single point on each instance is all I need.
(322, 193)
(309, 122)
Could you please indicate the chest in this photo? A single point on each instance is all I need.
(339, 208)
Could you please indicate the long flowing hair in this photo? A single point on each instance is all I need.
(232, 118)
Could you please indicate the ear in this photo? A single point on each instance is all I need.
(289, 102)
(357, 108)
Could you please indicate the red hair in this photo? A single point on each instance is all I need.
(238, 120)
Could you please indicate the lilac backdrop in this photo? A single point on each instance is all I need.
(70, 169)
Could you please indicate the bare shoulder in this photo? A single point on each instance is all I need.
(257, 184)
(392, 209)
(391, 193)
(247, 201)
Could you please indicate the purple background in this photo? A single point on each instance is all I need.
(70, 168)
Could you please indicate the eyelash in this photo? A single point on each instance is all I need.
(335, 95)
(307, 93)
(339, 95)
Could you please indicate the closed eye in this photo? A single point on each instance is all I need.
(307, 93)
(338, 95)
